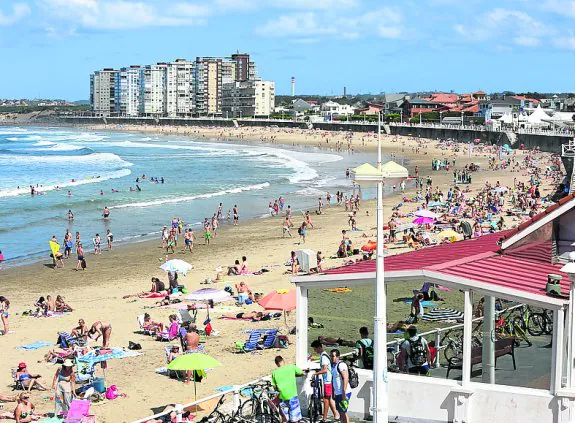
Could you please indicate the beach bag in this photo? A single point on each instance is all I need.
(411, 319)
(83, 264)
(417, 355)
(353, 378)
(299, 231)
(367, 355)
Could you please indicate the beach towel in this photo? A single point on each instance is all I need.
(423, 303)
(34, 346)
(114, 353)
(78, 410)
(224, 388)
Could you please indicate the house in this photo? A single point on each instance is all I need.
(418, 106)
(300, 106)
(331, 108)
(393, 102)
(370, 109)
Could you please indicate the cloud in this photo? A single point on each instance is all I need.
(299, 25)
(561, 7)
(565, 42)
(314, 4)
(19, 11)
(124, 14)
(385, 23)
(527, 41)
(515, 25)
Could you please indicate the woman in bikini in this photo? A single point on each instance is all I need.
(24, 412)
(103, 329)
(4, 307)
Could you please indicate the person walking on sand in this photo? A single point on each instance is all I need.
(207, 232)
(286, 228)
(81, 261)
(64, 386)
(189, 240)
(110, 239)
(97, 242)
(302, 231)
(101, 329)
(4, 307)
(236, 216)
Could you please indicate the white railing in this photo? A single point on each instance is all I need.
(438, 331)
(179, 408)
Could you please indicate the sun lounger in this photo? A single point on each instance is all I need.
(255, 342)
(143, 330)
(186, 317)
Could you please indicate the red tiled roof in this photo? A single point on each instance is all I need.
(431, 256)
(444, 98)
(480, 260)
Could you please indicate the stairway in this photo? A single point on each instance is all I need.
(512, 137)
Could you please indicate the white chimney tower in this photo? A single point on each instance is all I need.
(293, 86)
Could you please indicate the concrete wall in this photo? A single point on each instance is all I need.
(433, 400)
(550, 144)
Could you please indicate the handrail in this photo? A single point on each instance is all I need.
(179, 408)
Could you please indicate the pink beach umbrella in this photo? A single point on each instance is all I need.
(425, 213)
(423, 221)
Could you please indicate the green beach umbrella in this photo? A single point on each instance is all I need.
(194, 361)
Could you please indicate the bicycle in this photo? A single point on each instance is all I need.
(315, 412)
(512, 327)
(216, 416)
(260, 408)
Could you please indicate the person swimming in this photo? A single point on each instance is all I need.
(106, 212)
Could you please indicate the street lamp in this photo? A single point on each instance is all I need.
(393, 173)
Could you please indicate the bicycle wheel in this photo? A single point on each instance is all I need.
(453, 354)
(536, 324)
(315, 409)
(267, 414)
(214, 417)
(247, 410)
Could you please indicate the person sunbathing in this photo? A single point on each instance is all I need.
(152, 326)
(174, 352)
(235, 269)
(61, 306)
(326, 340)
(27, 379)
(158, 287)
(245, 315)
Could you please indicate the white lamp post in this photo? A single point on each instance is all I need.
(366, 173)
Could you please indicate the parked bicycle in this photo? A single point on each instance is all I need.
(216, 416)
(261, 407)
(315, 409)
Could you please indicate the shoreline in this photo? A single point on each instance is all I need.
(97, 293)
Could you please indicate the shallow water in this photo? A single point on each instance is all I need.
(85, 171)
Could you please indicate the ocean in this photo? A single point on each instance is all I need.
(85, 171)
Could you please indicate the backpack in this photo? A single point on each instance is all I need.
(353, 378)
(417, 355)
(367, 357)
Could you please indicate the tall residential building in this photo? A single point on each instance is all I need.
(180, 88)
(102, 92)
(153, 90)
(127, 86)
(244, 69)
(248, 98)
(209, 76)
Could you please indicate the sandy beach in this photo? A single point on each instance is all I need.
(97, 293)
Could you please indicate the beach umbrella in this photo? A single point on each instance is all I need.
(192, 362)
(441, 314)
(448, 233)
(369, 247)
(281, 299)
(425, 213)
(436, 204)
(176, 265)
(404, 227)
(206, 294)
(423, 221)
(500, 189)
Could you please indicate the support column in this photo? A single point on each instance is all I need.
(565, 343)
(488, 352)
(467, 327)
(301, 316)
(557, 352)
(571, 334)
(380, 322)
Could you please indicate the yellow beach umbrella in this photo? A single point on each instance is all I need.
(448, 233)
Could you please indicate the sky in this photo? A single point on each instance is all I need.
(50, 47)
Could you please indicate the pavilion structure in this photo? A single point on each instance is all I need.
(514, 265)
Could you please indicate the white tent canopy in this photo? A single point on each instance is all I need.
(506, 118)
(538, 116)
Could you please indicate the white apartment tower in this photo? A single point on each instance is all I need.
(153, 89)
(180, 89)
(102, 92)
(127, 87)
